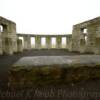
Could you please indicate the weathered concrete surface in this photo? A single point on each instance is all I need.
(19, 45)
(53, 70)
(85, 38)
(52, 60)
(8, 37)
(8, 60)
(27, 41)
(86, 41)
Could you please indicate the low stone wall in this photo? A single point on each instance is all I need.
(52, 74)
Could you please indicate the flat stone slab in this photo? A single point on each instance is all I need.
(55, 70)
(90, 60)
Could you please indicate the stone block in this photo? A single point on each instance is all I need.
(52, 70)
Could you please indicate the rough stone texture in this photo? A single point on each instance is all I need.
(48, 42)
(79, 43)
(51, 60)
(19, 45)
(8, 46)
(69, 42)
(37, 42)
(27, 42)
(54, 70)
(8, 26)
(9, 32)
(58, 42)
(9, 37)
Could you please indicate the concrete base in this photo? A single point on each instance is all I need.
(53, 70)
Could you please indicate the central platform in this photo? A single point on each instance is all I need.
(89, 60)
(47, 70)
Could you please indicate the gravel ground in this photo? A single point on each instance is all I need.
(89, 90)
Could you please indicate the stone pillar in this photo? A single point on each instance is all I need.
(14, 44)
(48, 42)
(91, 39)
(8, 46)
(58, 42)
(69, 43)
(37, 42)
(27, 42)
(66, 42)
(97, 47)
(76, 38)
(1, 48)
(19, 45)
(82, 43)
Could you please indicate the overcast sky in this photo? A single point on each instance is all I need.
(48, 16)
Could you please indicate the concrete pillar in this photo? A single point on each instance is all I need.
(14, 44)
(58, 42)
(91, 39)
(1, 48)
(19, 45)
(76, 38)
(37, 42)
(8, 46)
(82, 43)
(27, 42)
(69, 43)
(48, 42)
